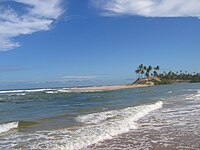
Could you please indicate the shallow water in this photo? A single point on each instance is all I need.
(159, 117)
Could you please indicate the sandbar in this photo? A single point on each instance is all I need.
(106, 88)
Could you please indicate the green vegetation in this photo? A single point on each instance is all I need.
(144, 70)
(180, 77)
(149, 75)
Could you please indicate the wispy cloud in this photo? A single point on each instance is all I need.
(37, 15)
(150, 8)
(81, 77)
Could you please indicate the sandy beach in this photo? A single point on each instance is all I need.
(106, 88)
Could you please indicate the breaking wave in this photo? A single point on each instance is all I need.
(195, 96)
(133, 112)
(5, 127)
(95, 127)
(24, 91)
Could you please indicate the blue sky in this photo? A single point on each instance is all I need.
(70, 43)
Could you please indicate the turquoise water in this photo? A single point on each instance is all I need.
(61, 119)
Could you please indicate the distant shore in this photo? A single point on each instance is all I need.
(107, 88)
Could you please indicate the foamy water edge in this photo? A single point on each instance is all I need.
(5, 127)
(107, 127)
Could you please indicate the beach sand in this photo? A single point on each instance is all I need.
(106, 88)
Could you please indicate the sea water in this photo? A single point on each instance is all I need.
(159, 117)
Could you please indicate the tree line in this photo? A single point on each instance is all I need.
(184, 76)
(149, 71)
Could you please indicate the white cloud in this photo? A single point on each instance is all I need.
(38, 15)
(150, 8)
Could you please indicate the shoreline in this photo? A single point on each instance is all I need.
(95, 88)
(106, 88)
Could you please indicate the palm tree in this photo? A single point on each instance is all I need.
(145, 68)
(142, 72)
(141, 66)
(137, 71)
(149, 70)
(155, 74)
(157, 68)
(147, 74)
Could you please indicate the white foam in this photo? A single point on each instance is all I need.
(19, 94)
(134, 112)
(106, 125)
(96, 127)
(8, 126)
(51, 92)
(11, 91)
(58, 91)
(37, 90)
(63, 91)
(24, 91)
(195, 96)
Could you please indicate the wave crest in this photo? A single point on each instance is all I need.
(5, 127)
(134, 112)
(97, 127)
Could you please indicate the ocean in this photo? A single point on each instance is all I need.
(151, 118)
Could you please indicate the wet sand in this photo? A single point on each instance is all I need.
(173, 127)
